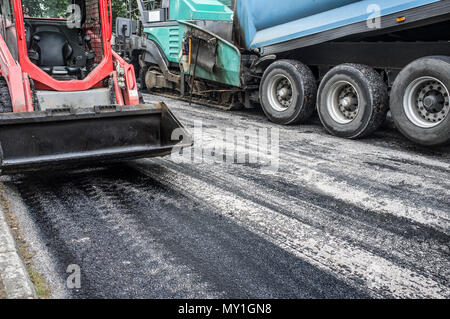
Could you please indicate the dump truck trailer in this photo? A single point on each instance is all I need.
(66, 98)
(350, 60)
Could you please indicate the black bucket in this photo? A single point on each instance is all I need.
(74, 137)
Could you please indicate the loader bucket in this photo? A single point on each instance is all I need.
(73, 137)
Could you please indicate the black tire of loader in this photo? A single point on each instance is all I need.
(438, 67)
(5, 97)
(373, 96)
(303, 82)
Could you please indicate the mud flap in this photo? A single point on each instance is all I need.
(72, 137)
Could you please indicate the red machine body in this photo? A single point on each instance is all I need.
(18, 75)
(66, 97)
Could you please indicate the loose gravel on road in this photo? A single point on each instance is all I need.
(2, 290)
(338, 219)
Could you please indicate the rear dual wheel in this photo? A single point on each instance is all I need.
(352, 101)
(420, 101)
(288, 92)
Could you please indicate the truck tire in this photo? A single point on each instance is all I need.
(288, 92)
(420, 100)
(352, 101)
(5, 97)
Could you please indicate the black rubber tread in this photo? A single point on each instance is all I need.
(435, 66)
(5, 97)
(305, 84)
(373, 99)
(142, 72)
(135, 62)
(36, 104)
(112, 93)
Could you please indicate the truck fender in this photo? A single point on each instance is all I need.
(152, 54)
(259, 65)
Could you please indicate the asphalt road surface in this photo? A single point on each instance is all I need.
(332, 219)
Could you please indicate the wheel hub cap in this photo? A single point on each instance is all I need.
(284, 92)
(343, 102)
(280, 93)
(426, 102)
(434, 102)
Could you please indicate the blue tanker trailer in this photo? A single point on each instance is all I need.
(350, 60)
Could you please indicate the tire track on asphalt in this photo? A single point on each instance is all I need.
(316, 229)
(416, 246)
(248, 262)
(344, 260)
(70, 212)
(43, 205)
(174, 246)
(413, 185)
(119, 212)
(347, 172)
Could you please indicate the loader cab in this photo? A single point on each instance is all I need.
(63, 37)
(61, 45)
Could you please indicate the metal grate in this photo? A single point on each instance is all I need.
(93, 28)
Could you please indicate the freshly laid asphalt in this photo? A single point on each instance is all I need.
(338, 219)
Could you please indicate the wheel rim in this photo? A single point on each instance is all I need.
(426, 102)
(280, 92)
(343, 102)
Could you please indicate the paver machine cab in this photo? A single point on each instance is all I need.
(66, 97)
